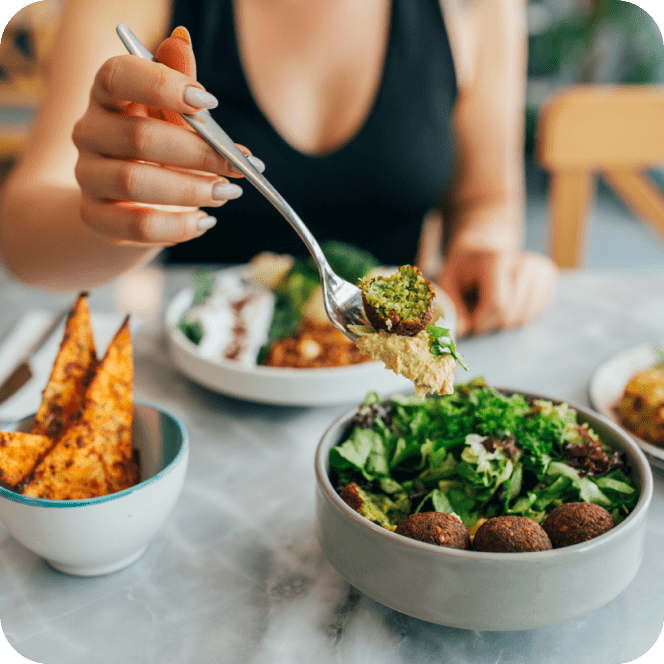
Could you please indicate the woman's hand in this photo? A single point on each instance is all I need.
(143, 173)
(496, 289)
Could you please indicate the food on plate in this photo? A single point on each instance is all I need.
(230, 316)
(269, 269)
(399, 307)
(477, 454)
(271, 312)
(641, 407)
(511, 534)
(316, 344)
(437, 528)
(87, 410)
(572, 523)
(401, 303)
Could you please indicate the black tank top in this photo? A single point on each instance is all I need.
(374, 190)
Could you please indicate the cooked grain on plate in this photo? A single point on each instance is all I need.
(313, 346)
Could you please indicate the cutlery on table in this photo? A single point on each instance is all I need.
(343, 301)
(22, 372)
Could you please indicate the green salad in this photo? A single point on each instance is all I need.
(477, 453)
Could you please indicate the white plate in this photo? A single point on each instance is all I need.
(608, 383)
(295, 387)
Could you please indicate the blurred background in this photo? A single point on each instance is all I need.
(571, 43)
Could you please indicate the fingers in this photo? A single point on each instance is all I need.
(450, 283)
(140, 182)
(139, 137)
(176, 52)
(122, 223)
(132, 162)
(127, 78)
(536, 283)
(511, 289)
(494, 310)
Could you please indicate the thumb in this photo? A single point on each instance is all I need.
(176, 52)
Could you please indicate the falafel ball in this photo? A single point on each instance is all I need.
(402, 303)
(435, 528)
(511, 534)
(571, 523)
(350, 494)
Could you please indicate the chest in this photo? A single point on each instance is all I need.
(313, 68)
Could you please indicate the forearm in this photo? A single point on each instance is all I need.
(495, 224)
(45, 244)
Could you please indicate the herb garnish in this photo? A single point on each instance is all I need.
(442, 342)
(203, 283)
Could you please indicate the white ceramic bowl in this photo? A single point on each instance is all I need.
(283, 386)
(476, 590)
(102, 535)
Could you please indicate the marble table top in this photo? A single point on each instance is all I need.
(237, 574)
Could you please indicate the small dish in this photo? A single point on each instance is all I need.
(102, 535)
(608, 383)
(283, 386)
(477, 590)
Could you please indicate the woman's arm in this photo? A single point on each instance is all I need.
(42, 239)
(493, 283)
(111, 174)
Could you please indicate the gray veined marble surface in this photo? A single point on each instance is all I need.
(237, 575)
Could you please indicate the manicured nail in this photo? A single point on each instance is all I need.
(206, 223)
(223, 191)
(257, 163)
(199, 98)
(182, 33)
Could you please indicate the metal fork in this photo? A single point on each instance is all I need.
(343, 301)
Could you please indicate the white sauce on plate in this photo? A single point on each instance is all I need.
(235, 319)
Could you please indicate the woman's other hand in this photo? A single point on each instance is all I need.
(495, 290)
(142, 171)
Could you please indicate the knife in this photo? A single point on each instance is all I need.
(22, 373)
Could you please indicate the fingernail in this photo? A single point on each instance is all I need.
(222, 191)
(182, 33)
(206, 223)
(257, 163)
(199, 98)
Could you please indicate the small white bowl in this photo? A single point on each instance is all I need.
(476, 590)
(102, 535)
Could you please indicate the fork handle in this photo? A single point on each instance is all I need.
(203, 123)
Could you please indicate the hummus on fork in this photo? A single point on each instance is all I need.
(411, 357)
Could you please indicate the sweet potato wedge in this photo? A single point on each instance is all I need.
(19, 453)
(74, 365)
(95, 456)
(71, 470)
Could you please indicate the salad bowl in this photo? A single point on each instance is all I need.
(483, 590)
